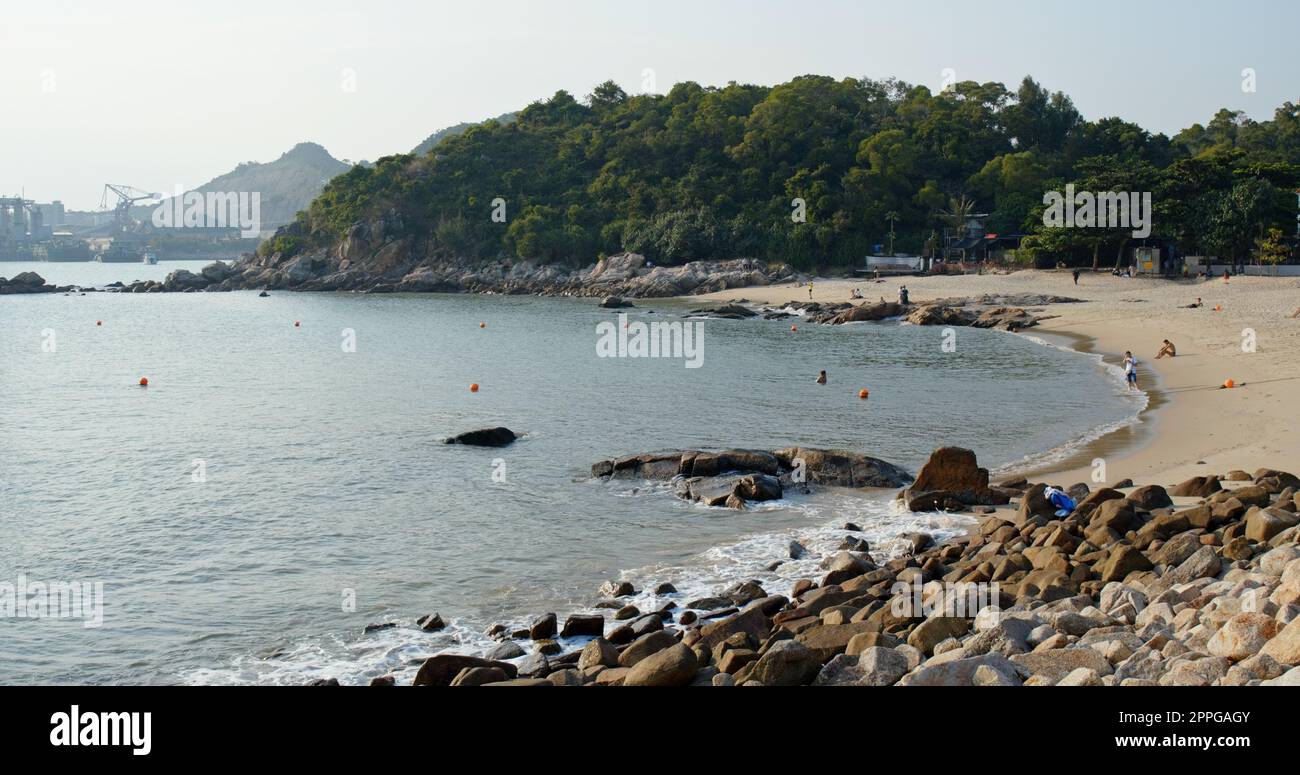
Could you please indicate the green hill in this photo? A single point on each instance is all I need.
(453, 131)
(715, 172)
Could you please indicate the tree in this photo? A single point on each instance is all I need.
(1272, 249)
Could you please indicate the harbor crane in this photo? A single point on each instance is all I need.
(127, 196)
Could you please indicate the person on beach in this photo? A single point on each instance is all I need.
(1197, 305)
(810, 290)
(1296, 314)
(1167, 350)
(1076, 276)
(1226, 275)
(821, 378)
(1130, 370)
(902, 295)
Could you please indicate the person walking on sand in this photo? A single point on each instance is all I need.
(810, 290)
(1167, 350)
(1130, 370)
(821, 378)
(1076, 276)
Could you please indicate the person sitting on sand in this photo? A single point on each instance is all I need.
(1130, 370)
(1167, 350)
(857, 294)
(821, 378)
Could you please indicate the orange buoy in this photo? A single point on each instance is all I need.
(1229, 384)
(473, 388)
(863, 393)
(144, 382)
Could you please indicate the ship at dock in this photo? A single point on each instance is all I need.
(61, 250)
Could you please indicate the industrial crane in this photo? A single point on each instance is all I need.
(126, 198)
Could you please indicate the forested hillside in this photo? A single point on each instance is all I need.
(710, 173)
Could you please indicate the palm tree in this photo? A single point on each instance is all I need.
(891, 216)
(957, 215)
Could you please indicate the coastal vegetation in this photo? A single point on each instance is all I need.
(725, 172)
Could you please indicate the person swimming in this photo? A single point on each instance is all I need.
(821, 378)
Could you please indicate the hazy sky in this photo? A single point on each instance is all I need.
(159, 94)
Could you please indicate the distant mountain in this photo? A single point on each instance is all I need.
(286, 185)
(452, 131)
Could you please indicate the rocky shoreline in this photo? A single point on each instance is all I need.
(1194, 584)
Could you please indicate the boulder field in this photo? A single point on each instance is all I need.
(1194, 583)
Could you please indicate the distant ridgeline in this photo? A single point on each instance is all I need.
(286, 185)
(714, 173)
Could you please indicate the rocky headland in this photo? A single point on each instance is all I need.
(392, 269)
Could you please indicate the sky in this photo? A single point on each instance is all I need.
(160, 95)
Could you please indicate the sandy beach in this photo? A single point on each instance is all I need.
(1191, 427)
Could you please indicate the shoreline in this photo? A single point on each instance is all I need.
(1132, 436)
(1187, 420)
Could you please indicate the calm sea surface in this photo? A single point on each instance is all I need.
(270, 493)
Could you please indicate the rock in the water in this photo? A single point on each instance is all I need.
(543, 627)
(583, 624)
(488, 437)
(951, 473)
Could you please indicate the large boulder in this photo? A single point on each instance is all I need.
(786, 663)
(488, 437)
(442, 669)
(1151, 497)
(957, 672)
(1285, 646)
(1056, 664)
(954, 472)
(842, 468)
(1242, 636)
(673, 666)
(1263, 524)
(1198, 487)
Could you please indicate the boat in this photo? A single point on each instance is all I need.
(121, 253)
(61, 251)
(151, 258)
